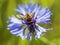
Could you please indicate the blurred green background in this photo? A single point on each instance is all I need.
(51, 37)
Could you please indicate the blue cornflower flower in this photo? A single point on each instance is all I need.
(30, 17)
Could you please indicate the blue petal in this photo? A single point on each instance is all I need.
(41, 28)
(14, 26)
(37, 34)
(19, 32)
(45, 21)
(30, 6)
(48, 28)
(37, 11)
(44, 17)
(44, 12)
(21, 10)
(33, 6)
(40, 33)
(25, 8)
(24, 31)
(9, 22)
(28, 35)
(13, 19)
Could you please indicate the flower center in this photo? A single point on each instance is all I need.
(29, 19)
(30, 22)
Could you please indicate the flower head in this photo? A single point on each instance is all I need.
(29, 19)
